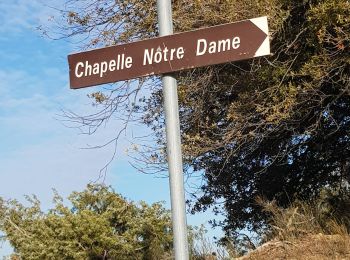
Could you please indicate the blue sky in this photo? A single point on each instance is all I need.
(37, 152)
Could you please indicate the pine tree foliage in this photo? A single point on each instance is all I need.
(99, 224)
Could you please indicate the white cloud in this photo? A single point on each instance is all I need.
(37, 152)
(19, 15)
(35, 147)
(16, 14)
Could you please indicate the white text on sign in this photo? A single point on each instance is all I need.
(150, 56)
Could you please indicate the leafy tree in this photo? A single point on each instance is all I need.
(276, 126)
(282, 132)
(99, 224)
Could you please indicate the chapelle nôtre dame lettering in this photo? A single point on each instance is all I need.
(154, 55)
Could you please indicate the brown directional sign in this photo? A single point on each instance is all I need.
(214, 45)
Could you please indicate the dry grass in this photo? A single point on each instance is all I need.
(302, 231)
(315, 247)
(301, 219)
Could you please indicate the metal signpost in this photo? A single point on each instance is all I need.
(172, 123)
(169, 53)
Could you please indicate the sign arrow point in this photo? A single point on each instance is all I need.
(261, 23)
(264, 48)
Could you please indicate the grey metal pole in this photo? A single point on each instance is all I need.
(172, 121)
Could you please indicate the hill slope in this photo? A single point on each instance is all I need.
(315, 247)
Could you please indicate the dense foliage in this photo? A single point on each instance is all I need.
(276, 127)
(100, 224)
